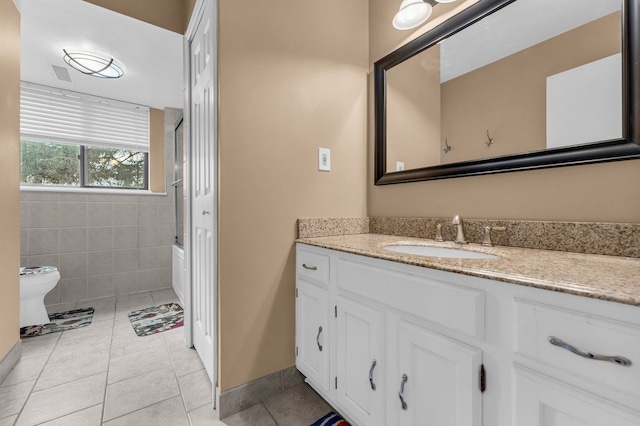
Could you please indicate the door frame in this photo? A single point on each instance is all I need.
(196, 17)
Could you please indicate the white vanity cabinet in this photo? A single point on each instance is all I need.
(405, 345)
(312, 317)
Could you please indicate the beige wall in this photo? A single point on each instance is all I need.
(606, 192)
(156, 150)
(292, 79)
(9, 175)
(172, 15)
(508, 97)
(413, 111)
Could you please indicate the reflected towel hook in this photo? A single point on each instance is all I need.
(447, 147)
(489, 140)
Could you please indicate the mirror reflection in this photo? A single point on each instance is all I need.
(536, 75)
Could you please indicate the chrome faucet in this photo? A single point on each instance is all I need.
(460, 234)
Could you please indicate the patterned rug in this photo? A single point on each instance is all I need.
(60, 322)
(331, 419)
(157, 319)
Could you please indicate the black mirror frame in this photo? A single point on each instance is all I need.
(620, 149)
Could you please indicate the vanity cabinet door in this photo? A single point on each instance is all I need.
(312, 332)
(436, 381)
(542, 401)
(360, 361)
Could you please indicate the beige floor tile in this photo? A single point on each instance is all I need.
(33, 347)
(52, 403)
(139, 392)
(8, 421)
(137, 363)
(133, 343)
(74, 348)
(99, 303)
(186, 361)
(87, 417)
(104, 314)
(196, 389)
(166, 413)
(13, 397)
(204, 416)
(25, 370)
(134, 301)
(93, 330)
(299, 405)
(175, 339)
(69, 370)
(256, 415)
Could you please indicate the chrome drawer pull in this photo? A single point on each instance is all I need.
(401, 393)
(615, 359)
(373, 365)
(318, 339)
(312, 268)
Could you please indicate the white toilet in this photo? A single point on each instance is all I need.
(35, 283)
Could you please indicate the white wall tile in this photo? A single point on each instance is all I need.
(73, 288)
(72, 214)
(125, 214)
(100, 286)
(125, 282)
(43, 214)
(73, 240)
(100, 238)
(125, 237)
(125, 260)
(99, 214)
(43, 241)
(99, 262)
(73, 265)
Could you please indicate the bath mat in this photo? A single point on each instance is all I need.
(331, 419)
(157, 319)
(60, 322)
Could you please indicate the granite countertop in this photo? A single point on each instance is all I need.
(610, 278)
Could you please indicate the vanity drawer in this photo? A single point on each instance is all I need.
(446, 304)
(537, 323)
(312, 265)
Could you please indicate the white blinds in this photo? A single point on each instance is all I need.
(57, 115)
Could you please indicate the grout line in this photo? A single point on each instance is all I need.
(269, 412)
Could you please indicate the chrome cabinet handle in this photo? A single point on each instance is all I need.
(204, 212)
(318, 339)
(311, 268)
(373, 365)
(615, 359)
(401, 393)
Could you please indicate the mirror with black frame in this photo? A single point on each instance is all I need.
(511, 85)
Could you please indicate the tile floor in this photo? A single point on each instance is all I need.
(104, 374)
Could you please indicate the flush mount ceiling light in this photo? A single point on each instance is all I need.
(413, 13)
(93, 63)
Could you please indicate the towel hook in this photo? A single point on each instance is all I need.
(489, 140)
(447, 147)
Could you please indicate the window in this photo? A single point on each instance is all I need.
(75, 140)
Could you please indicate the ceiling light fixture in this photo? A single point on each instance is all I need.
(93, 63)
(413, 13)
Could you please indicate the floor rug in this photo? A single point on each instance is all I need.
(331, 419)
(60, 322)
(157, 319)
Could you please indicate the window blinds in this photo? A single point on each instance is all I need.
(56, 115)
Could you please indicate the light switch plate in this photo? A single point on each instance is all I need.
(324, 159)
(399, 166)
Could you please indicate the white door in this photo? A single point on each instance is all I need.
(546, 402)
(437, 380)
(360, 362)
(312, 332)
(203, 185)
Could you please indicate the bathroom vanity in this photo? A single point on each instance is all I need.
(532, 337)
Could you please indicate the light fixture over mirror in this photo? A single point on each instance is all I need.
(414, 13)
(96, 64)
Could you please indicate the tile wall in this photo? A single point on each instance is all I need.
(103, 244)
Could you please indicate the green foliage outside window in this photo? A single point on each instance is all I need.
(47, 163)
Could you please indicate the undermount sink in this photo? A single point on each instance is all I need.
(439, 252)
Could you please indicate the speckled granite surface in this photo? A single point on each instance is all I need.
(324, 227)
(602, 277)
(614, 239)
